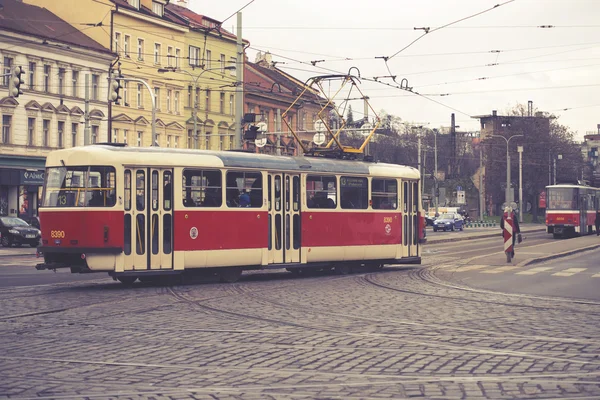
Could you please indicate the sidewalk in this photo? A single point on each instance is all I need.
(477, 233)
(17, 251)
(525, 256)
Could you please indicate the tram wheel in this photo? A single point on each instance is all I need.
(342, 270)
(230, 275)
(127, 280)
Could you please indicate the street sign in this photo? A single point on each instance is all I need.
(458, 188)
(260, 142)
(366, 128)
(262, 127)
(460, 197)
(319, 126)
(319, 138)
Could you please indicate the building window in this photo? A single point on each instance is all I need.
(95, 129)
(207, 99)
(139, 139)
(95, 83)
(126, 94)
(61, 133)
(194, 56)
(208, 59)
(231, 109)
(197, 99)
(168, 140)
(177, 58)
(115, 136)
(222, 103)
(117, 48)
(6, 128)
(190, 97)
(156, 53)
(47, 78)
(170, 56)
(32, 75)
(7, 70)
(61, 81)
(30, 131)
(74, 135)
(75, 82)
(176, 142)
(158, 8)
(134, 3)
(169, 93)
(177, 102)
(222, 62)
(140, 49)
(140, 97)
(157, 140)
(157, 98)
(126, 44)
(125, 135)
(46, 133)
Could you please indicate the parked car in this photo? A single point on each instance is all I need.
(448, 222)
(15, 231)
(33, 221)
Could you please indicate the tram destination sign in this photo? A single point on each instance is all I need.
(353, 182)
(32, 177)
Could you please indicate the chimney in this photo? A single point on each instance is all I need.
(494, 113)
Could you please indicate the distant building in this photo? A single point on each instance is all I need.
(590, 150)
(57, 58)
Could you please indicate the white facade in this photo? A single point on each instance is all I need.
(50, 114)
(53, 96)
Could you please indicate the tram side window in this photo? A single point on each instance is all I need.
(202, 188)
(244, 189)
(384, 194)
(80, 187)
(321, 191)
(354, 193)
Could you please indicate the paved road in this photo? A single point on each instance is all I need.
(403, 332)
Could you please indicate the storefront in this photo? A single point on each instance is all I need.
(21, 181)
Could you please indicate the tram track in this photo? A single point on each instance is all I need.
(446, 347)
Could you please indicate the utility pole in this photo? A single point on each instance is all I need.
(239, 88)
(520, 150)
(86, 129)
(435, 166)
(419, 154)
(507, 192)
(278, 129)
(481, 205)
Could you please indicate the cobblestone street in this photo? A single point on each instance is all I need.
(398, 333)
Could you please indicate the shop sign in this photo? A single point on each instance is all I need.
(32, 178)
(542, 203)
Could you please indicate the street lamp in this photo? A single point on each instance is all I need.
(559, 157)
(520, 150)
(195, 109)
(507, 192)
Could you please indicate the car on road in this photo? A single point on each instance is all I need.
(448, 222)
(429, 220)
(15, 231)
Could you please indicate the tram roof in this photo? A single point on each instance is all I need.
(168, 157)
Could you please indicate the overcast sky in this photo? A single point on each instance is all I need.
(557, 68)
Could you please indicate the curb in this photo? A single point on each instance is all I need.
(557, 255)
(485, 236)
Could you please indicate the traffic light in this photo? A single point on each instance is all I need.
(15, 82)
(251, 133)
(115, 88)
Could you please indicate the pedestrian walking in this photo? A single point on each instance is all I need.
(510, 219)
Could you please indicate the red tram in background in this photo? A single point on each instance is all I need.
(141, 213)
(571, 209)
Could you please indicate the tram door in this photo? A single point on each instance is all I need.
(583, 207)
(410, 218)
(284, 218)
(148, 217)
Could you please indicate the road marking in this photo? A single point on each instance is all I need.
(569, 272)
(534, 271)
(499, 270)
(596, 276)
(471, 268)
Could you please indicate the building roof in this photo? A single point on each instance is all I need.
(195, 20)
(17, 16)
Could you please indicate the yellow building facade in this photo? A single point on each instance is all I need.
(183, 58)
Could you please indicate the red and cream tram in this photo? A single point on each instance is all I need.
(571, 209)
(145, 212)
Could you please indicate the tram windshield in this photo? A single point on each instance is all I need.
(562, 199)
(79, 187)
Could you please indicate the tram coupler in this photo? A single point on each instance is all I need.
(50, 266)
